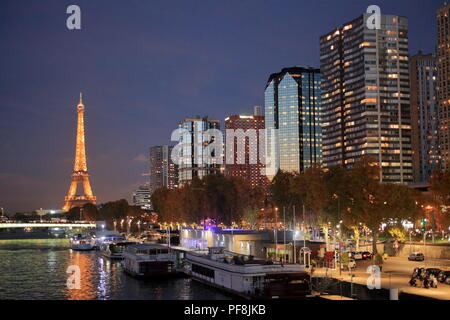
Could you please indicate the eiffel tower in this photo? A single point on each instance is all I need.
(80, 173)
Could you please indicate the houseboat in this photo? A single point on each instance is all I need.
(81, 242)
(115, 250)
(248, 277)
(149, 260)
(105, 237)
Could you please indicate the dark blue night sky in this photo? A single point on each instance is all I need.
(142, 66)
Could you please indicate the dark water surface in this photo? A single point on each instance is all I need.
(36, 269)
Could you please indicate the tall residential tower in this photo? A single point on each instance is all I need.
(424, 116)
(443, 61)
(163, 172)
(365, 96)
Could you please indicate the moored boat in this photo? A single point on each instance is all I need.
(115, 250)
(81, 242)
(248, 277)
(149, 260)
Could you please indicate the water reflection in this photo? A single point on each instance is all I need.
(36, 269)
(87, 288)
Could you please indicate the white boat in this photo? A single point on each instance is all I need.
(104, 237)
(148, 260)
(81, 242)
(247, 277)
(115, 250)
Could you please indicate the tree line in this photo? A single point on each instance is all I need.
(220, 198)
(110, 211)
(353, 198)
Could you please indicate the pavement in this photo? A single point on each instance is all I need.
(396, 275)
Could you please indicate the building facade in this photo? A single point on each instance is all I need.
(258, 111)
(199, 148)
(424, 116)
(163, 172)
(244, 150)
(365, 96)
(141, 197)
(443, 63)
(292, 114)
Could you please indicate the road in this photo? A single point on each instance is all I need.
(396, 274)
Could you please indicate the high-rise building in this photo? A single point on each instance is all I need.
(292, 115)
(443, 64)
(142, 197)
(258, 111)
(424, 116)
(365, 96)
(163, 172)
(245, 151)
(200, 154)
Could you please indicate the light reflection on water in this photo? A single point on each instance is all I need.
(36, 269)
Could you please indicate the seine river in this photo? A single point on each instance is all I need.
(36, 269)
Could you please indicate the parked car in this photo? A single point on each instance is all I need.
(357, 255)
(444, 277)
(366, 255)
(416, 256)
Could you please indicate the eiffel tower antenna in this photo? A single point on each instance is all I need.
(80, 173)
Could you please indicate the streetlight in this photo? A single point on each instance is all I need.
(276, 233)
(410, 242)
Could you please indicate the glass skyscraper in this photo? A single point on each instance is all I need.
(198, 148)
(293, 115)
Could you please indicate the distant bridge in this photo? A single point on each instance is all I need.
(7, 225)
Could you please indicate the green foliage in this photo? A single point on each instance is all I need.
(398, 233)
(345, 258)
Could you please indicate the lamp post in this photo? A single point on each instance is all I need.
(284, 234)
(410, 242)
(304, 227)
(276, 233)
(294, 233)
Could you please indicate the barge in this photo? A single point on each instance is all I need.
(149, 260)
(248, 277)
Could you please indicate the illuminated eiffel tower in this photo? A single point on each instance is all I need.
(80, 173)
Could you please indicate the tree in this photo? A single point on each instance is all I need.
(159, 199)
(440, 189)
(397, 233)
(90, 212)
(284, 192)
(373, 202)
(316, 192)
(114, 210)
(440, 186)
(73, 214)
